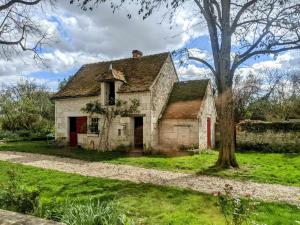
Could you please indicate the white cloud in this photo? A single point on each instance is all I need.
(193, 72)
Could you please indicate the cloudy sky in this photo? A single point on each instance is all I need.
(83, 37)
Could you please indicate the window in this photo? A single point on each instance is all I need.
(119, 132)
(94, 126)
(111, 94)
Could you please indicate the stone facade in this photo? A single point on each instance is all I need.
(176, 133)
(191, 133)
(208, 110)
(152, 105)
(121, 131)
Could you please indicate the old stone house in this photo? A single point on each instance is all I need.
(171, 114)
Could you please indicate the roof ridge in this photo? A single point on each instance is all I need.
(119, 59)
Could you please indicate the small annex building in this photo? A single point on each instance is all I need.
(172, 113)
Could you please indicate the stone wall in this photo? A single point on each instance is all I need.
(208, 109)
(160, 92)
(65, 108)
(13, 218)
(268, 140)
(175, 133)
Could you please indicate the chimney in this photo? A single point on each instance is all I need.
(136, 54)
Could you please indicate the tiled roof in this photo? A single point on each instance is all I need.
(185, 99)
(139, 74)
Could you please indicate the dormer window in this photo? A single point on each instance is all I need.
(111, 93)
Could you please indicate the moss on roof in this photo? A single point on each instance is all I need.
(186, 99)
(188, 90)
(139, 74)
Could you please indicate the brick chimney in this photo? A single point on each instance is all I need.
(136, 54)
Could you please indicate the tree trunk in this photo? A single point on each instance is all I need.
(227, 131)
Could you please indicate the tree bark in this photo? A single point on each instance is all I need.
(227, 129)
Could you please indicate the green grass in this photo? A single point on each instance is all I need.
(260, 167)
(147, 204)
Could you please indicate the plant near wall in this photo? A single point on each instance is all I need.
(109, 113)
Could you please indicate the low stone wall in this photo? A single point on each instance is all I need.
(268, 137)
(13, 218)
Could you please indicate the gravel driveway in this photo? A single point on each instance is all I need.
(205, 184)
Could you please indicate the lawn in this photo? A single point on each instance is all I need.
(145, 203)
(260, 167)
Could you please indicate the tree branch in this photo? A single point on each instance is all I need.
(12, 2)
(204, 62)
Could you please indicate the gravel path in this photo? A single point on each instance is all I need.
(205, 184)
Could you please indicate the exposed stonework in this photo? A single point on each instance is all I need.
(122, 130)
(13, 218)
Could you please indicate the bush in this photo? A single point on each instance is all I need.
(24, 135)
(15, 197)
(268, 148)
(259, 126)
(235, 210)
(87, 213)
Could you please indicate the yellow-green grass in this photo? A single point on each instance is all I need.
(145, 203)
(261, 167)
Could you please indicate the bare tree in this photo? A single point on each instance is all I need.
(238, 30)
(19, 31)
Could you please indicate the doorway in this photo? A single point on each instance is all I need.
(138, 132)
(208, 132)
(78, 125)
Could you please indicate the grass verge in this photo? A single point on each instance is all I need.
(146, 204)
(261, 167)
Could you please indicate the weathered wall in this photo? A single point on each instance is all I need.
(208, 109)
(261, 137)
(160, 92)
(65, 108)
(175, 133)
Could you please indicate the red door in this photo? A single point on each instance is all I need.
(77, 125)
(208, 132)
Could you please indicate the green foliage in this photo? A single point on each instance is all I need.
(15, 197)
(109, 113)
(26, 106)
(268, 148)
(145, 203)
(260, 127)
(93, 213)
(236, 211)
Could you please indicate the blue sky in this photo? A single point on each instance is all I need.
(85, 37)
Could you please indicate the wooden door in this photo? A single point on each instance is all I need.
(78, 125)
(138, 132)
(73, 133)
(208, 132)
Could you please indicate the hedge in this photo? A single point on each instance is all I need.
(259, 127)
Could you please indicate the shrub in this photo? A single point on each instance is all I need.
(259, 126)
(268, 148)
(15, 197)
(235, 210)
(86, 213)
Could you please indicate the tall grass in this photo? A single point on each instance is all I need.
(91, 212)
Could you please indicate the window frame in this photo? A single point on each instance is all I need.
(92, 125)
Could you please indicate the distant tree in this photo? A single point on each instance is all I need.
(26, 106)
(246, 90)
(19, 31)
(238, 30)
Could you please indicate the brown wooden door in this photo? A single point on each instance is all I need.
(138, 132)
